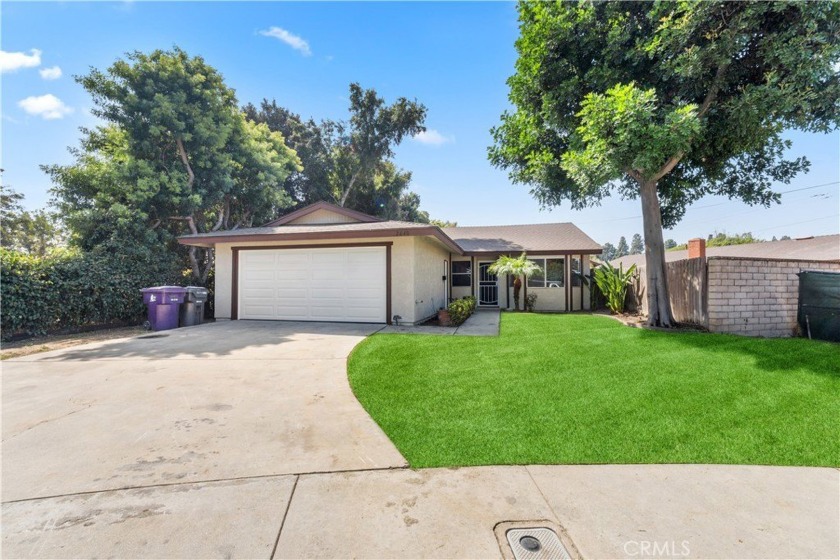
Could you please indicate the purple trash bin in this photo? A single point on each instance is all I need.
(163, 303)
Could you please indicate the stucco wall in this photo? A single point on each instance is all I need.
(757, 297)
(402, 273)
(430, 288)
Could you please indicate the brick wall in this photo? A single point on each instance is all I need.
(756, 297)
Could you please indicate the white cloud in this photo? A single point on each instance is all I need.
(432, 137)
(297, 43)
(53, 73)
(13, 61)
(47, 107)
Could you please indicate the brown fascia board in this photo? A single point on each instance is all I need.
(535, 253)
(434, 231)
(322, 205)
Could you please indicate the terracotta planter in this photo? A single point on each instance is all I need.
(444, 320)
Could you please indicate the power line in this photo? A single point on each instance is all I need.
(802, 222)
(715, 204)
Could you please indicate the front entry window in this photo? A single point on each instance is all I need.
(461, 273)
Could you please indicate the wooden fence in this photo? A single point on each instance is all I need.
(688, 285)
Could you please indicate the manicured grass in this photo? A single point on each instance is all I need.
(586, 389)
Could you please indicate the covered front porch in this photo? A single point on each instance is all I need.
(561, 286)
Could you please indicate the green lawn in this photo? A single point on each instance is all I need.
(586, 389)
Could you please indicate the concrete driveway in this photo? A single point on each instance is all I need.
(244, 440)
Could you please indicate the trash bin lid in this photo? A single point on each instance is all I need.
(164, 290)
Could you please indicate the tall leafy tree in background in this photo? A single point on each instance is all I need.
(349, 163)
(176, 155)
(32, 232)
(637, 247)
(370, 136)
(622, 249)
(608, 252)
(666, 102)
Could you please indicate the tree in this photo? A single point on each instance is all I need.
(670, 244)
(517, 267)
(370, 136)
(34, 233)
(443, 223)
(349, 162)
(666, 102)
(784, 238)
(609, 252)
(307, 138)
(636, 245)
(176, 154)
(622, 249)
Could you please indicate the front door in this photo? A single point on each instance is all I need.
(488, 287)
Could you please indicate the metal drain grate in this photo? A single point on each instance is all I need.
(536, 543)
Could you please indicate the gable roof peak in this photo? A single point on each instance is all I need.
(323, 205)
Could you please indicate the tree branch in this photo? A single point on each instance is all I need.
(185, 160)
(713, 90)
(189, 220)
(706, 105)
(220, 221)
(349, 187)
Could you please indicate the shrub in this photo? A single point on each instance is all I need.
(69, 288)
(461, 309)
(613, 283)
(530, 302)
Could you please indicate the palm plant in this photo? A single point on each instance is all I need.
(613, 283)
(517, 267)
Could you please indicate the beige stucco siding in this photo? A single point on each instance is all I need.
(403, 277)
(429, 286)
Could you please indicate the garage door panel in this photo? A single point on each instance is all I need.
(336, 284)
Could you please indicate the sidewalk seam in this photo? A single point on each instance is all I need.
(208, 481)
(285, 515)
(537, 486)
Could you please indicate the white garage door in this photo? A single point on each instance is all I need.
(341, 284)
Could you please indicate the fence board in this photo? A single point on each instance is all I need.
(688, 287)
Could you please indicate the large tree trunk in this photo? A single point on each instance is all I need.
(659, 304)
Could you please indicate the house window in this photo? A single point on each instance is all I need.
(552, 275)
(461, 273)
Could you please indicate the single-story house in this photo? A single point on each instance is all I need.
(328, 263)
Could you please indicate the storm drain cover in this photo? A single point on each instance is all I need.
(536, 543)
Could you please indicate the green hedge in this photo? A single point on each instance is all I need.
(461, 309)
(71, 289)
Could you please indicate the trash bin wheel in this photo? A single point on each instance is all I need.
(147, 325)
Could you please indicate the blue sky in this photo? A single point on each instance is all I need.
(453, 57)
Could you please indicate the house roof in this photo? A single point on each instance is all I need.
(352, 230)
(556, 238)
(819, 248)
(563, 237)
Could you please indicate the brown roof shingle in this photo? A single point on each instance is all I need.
(530, 237)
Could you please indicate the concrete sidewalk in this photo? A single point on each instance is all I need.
(609, 511)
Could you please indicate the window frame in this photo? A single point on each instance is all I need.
(544, 282)
(461, 275)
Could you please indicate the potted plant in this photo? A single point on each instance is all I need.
(444, 319)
